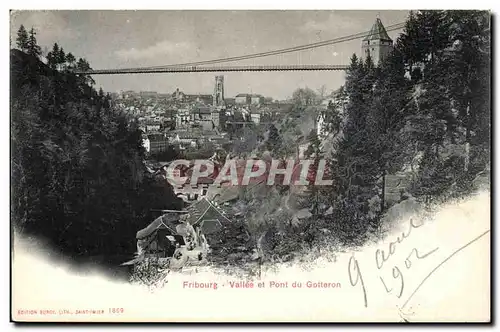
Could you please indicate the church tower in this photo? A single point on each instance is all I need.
(377, 44)
(218, 97)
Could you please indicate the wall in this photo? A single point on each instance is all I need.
(378, 50)
(241, 100)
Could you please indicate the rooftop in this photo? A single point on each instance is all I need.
(203, 110)
(152, 123)
(249, 95)
(378, 32)
(187, 134)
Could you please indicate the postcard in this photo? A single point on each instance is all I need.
(250, 166)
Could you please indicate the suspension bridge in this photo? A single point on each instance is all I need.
(219, 65)
(199, 69)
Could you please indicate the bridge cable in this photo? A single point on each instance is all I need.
(392, 27)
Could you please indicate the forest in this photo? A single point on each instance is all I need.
(423, 113)
(77, 170)
(425, 107)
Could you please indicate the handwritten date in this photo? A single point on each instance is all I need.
(396, 284)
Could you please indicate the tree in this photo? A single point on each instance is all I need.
(433, 33)
(32, 46)
(22, 39)
(354, 171)
(387, 118)
(248, 141)
(467, 68)
(77, 166)
(322, 91)
(425, 34)
(83, 65)
(53, 57)
(315, 152)
(57, 58)
(61, 59)
(71, 60)
(304, 97)
(407, 43)
(332, 115)
(273, 141)
(450, 105)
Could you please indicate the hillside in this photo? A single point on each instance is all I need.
(77, 164)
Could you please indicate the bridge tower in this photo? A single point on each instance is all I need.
(218, 97)
(377, 44)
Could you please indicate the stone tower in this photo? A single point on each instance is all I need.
(377, 44)
(218, 97)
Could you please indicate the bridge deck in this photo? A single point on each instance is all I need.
(194, 69)
(247, 122)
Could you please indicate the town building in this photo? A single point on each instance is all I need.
(255, 117)
(129, 94)
(203, 116)
(181, 97)
(200, 99)
(378, 44)
(185, 138)
(182, 118)
(249, 99)
(148, 94)
(152, 126)
(146, 143)
(243, 99)
(338, 101)
(229, 102)
(208, 118)
(257, 99)
(157, 142)
(178, 95)
(218, 97)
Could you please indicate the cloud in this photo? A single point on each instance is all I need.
(334, 22)
(51, 26)
(163, 48)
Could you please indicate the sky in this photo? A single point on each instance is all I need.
(121, 39)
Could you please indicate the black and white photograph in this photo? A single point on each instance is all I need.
(250, 166)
